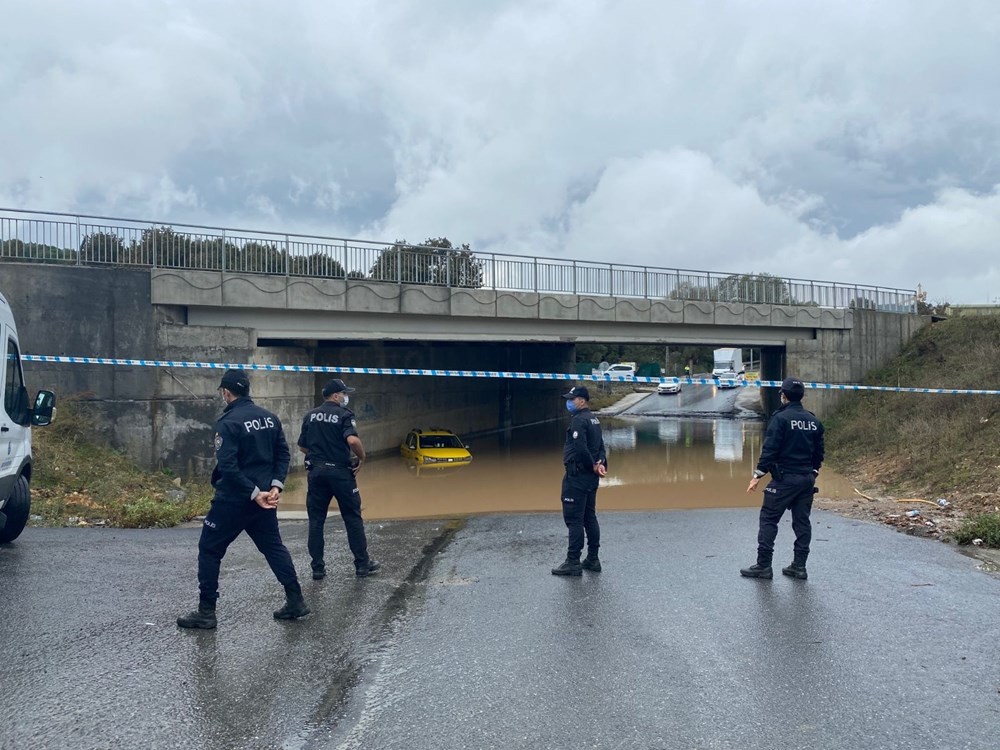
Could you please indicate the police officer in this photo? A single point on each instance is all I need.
(251, 465)
(334, 456)
(585, 462)
(792, 454)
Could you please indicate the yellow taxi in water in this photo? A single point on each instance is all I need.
(434, 447)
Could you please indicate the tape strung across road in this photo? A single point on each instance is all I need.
(496, 374)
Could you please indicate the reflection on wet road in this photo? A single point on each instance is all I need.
(654, 464)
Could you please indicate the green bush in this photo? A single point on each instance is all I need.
(985, 526)
(146, 513)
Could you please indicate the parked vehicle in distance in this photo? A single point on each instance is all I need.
(434, 447)
(664, 389)
(621, 368)
(16, 421)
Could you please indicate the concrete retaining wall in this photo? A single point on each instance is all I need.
(847, 356)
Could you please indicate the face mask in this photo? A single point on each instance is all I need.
(570, 407)
(346, 401)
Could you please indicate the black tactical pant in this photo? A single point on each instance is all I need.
(225, 521)
(325, 483)
(792, 492)
(579, 506)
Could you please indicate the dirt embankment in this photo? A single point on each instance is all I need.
(926, 463)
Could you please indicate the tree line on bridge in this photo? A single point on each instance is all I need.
(437, 261)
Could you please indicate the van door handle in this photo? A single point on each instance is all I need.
(5, 428)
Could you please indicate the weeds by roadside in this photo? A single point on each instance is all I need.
(606, 394)
(983, 526)
(78, 482)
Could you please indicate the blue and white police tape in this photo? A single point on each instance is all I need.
(496, 374)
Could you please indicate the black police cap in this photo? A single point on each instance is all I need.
(793, 388)
(236, 381)
(336, 386)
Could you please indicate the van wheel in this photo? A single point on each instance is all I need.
(17, 508)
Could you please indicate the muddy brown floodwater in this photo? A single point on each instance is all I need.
(653, 464)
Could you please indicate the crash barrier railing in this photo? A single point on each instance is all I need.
(495, 374)
(70, 239)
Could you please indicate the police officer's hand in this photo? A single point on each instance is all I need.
(601, 470)
(356, 467)
(753, 484)
(268, 500)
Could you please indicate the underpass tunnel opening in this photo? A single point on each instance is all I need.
(389, 406)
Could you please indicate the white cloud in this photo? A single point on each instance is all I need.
(846, 141)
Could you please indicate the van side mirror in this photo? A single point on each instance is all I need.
(45, 404)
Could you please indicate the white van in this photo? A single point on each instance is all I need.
(16, 420)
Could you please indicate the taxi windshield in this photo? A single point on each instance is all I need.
(440, 441)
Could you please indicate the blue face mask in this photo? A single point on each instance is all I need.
(570, 406)
(346, 401)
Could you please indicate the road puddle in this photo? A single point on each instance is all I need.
(655, 464)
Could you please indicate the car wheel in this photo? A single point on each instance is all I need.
(17, 508)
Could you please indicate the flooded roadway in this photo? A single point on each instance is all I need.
(654, 463)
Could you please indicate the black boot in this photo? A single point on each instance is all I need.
(319, 570)
(368, 569)
(798, 567)
(761, 569)
(203, 617)
(295, 606)
(591, 563)
(570, 567)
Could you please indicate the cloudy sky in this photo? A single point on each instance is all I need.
(836, 140)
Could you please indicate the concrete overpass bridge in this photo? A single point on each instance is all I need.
(116, 288)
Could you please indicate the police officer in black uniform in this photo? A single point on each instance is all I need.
(585, 463)
(792, 454)
(251, 465)
(334, 456)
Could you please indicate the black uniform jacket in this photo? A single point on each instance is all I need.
(793, 443)
(584, 445)
(250, 451)
(324, 434)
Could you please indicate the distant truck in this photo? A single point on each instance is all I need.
(728, 365)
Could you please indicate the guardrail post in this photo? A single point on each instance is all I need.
(574, 277)
(288, 258)
(222, 261)
(79, 243)
(152, 234)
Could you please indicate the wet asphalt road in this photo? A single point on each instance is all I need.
(469, 642)
(692, 401)
(92, 658)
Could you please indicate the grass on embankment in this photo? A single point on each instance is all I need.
(79, 482)
(931, 444)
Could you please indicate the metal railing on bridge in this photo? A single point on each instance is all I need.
(49, 237)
